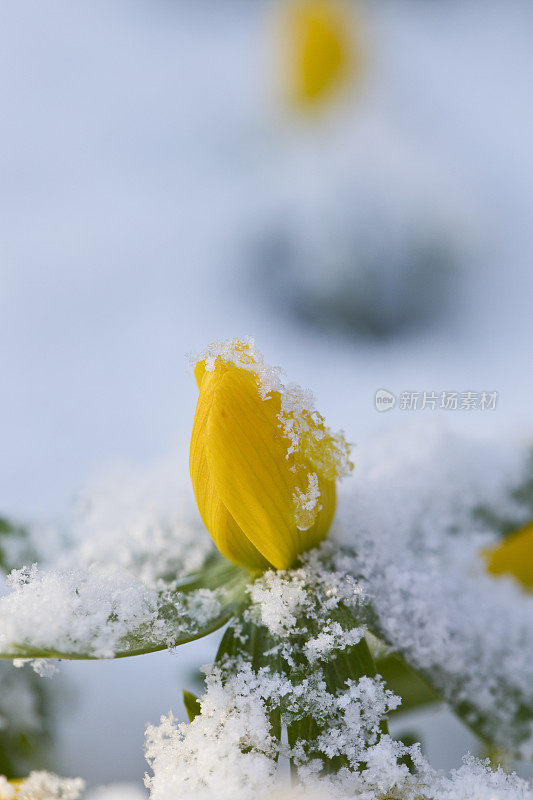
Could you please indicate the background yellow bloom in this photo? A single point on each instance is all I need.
(514, 556)
(321, 50)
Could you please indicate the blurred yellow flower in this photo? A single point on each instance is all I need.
(40, 785)
(263, 464)
(321, 52)
(9, 789)
(514, 556)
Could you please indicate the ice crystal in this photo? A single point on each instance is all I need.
(307, 503)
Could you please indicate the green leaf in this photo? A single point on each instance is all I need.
(248, 639)
(407, 683)
(24, 738)
(192, 705)
(15, 546)
(252, 641)
(175, 623)
(228, 583)
(352, 663)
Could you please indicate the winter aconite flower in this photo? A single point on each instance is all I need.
(320, 50)
(514, 556)
(263, 463)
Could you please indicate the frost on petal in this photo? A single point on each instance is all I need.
(307, 503)
(302, 425)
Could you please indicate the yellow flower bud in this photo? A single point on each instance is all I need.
(514, 556)
(321, 52)
(263, 464)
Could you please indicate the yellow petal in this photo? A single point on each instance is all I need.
(199, 372)
(320, 49)
(328, 495)
(514, 556)
(227, 535)
(256, 481)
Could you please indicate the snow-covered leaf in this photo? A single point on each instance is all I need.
(106, 613)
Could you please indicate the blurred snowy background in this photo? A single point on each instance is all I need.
(156, 195)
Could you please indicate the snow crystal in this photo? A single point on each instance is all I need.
(332, 637)
(228, 751)
(201, 606)
(92, 612)
(285, 599)
(280, 599)
(307, 503)
(477, 780)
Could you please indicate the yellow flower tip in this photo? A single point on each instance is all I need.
(514, 556)
(263, 462)
(9, 789)
(322, 53)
